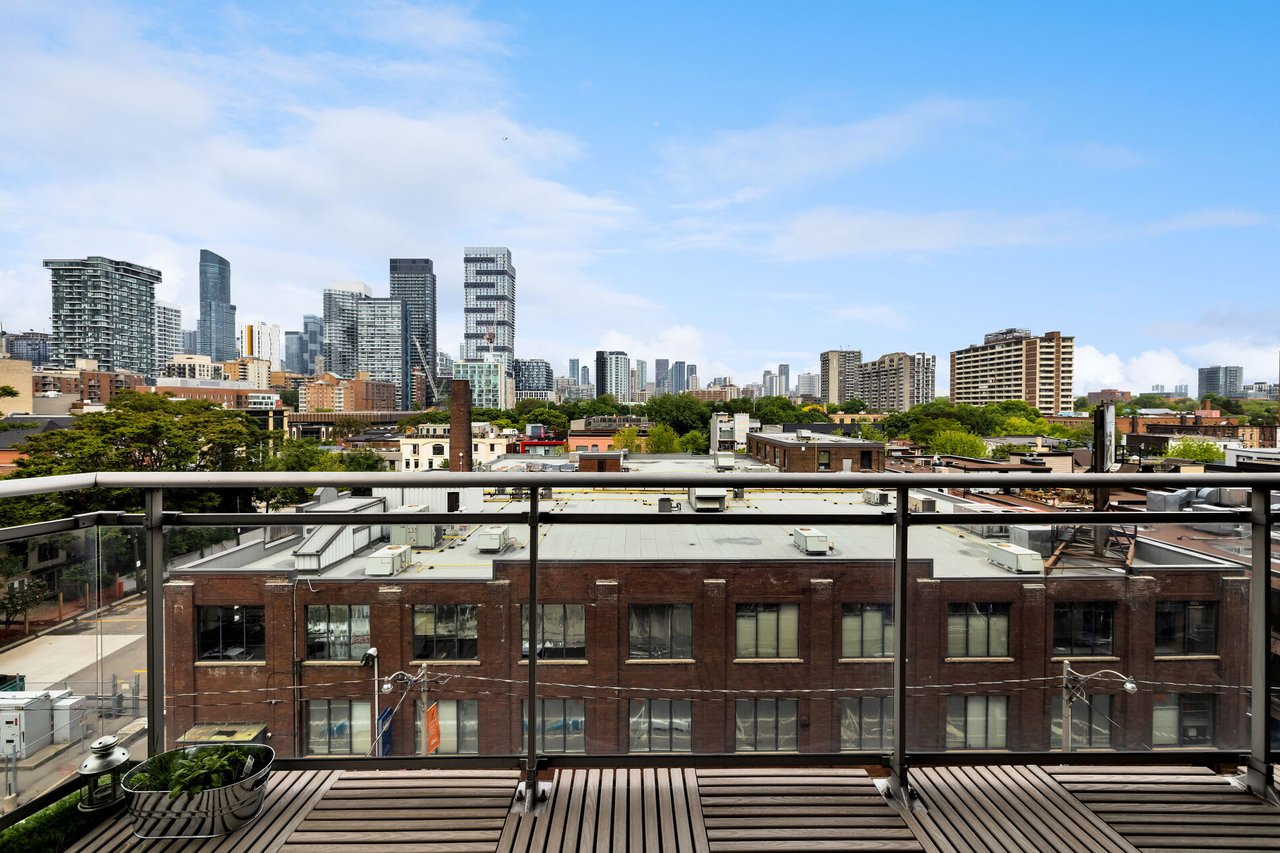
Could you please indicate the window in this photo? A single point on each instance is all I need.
(661, 725)
(235, 632)
(768, 630)
(1186, 627)
(824, 460)
(562, 725)
(866, 723)
(866, 631)
(1182, 719)
(1090, 723)
(977, 722)
(437, 450)
(1083, 628)
(562, 631)
(459, 726)
(977, 630)
(339, 726)
(661, 631)
(444, 632)
(337, 631)
(765, 725)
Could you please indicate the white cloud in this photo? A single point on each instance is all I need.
(736, 166)
(1200, 220)
(1095, 370)
(1260, 356)
(1102, 155)
(880, 315)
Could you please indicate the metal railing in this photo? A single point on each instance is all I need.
(154, 519)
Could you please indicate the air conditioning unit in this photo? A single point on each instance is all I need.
(811, 540)
(493, 538)
(875, 497)
(387, 561)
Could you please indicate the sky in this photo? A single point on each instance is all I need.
(734, 185)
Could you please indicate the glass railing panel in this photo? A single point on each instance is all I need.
(72, 653)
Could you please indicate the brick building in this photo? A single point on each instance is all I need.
(646, 646)
(805, 452)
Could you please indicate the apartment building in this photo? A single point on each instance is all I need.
(1013, 364)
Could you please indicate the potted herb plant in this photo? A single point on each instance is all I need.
(198, 791)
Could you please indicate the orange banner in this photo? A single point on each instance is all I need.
(433, 728)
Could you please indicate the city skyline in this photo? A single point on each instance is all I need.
(736, 211)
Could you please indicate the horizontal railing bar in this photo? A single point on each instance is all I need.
(1166, 758)
(39, 528)
(290, 519)
(629, 480)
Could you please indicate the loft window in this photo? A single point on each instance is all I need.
(768, 631)
(866, 723)
(866, 631)
(339, 726)
(1090, 722)
(562, 631)
(234, 632)
(661, 725)
(1182, 719)
(459, 726)
(977, 630)
(977, 722)
(562, 725)
(1083, 628)
(765, 725)
(660, 631)
(337, 631)
(1186, 627)
(445, 632)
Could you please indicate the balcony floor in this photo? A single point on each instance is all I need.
(999, 808)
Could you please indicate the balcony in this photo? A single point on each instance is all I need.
(700, 680)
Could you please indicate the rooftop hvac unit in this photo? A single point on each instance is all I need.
(493, 538)
(705, 499)
(811, 540)
(875, 497)
(1020, 561)
(922, 504)
(803, 435)
(387, 561)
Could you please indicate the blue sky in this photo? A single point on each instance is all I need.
(730, 184)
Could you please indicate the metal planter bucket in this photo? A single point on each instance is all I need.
(208, 814)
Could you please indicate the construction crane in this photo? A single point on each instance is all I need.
(428, 368)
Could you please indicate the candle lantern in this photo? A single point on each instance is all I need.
(102, 772)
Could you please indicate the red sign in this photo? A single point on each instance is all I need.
(433, 728)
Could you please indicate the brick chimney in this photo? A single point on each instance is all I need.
(460, 425)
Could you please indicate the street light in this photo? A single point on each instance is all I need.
(1073, 688)
(370, 658)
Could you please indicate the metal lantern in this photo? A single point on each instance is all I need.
(102, 772)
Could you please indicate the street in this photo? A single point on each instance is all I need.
(83, 655)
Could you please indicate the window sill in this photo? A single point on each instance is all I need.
(883, 659)
(768, 660)
(1095, 658)
(208, 663)
(659, 661)
(556, 662)
(445, 662)
(355, 662)
(979, 660)
(1160, 658)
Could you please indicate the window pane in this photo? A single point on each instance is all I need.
(977, 625)
(767, 632)
(786, 724)
(872, 633)
(682, 631)
(361, 727)
(1164, 720)
(746, 631)
(851, 633)
(957, 625)
(999, 634)
(745, 725)
(789, 631)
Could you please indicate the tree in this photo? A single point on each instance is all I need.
(1195, 450)
(853, 406)
(681, 412)
(694, 441)
(8, 391)
(19, 598)
(549, 418)
(363, 459)
(662, 439)
(628, 439)
(957, 443)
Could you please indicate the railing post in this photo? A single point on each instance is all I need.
(153, 524)
(531, 717)
(901, 619)
(1258, 775)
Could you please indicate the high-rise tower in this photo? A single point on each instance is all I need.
(489, 303)
(104, 310)
(217, 315)
(413, 280)
(341, 327)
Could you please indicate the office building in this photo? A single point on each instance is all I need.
(585, 379)
(489, 304)
(341, 330)
(574, 371)
(838, 375)
(414, 281)
(382, 341)
(898, 381)
(1180, 392)
(302, 349)
(677, 378)
(691, 377)
(613, 375)
(217, 325)
(104, 310)
(1013, 364)
(807, 385)
(640, 378)
(1220, 380)
(661, 369)
(784, 380)
(190, 341)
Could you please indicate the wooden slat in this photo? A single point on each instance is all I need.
(604, 821)
(1071, 813)
(667, 814)
(693, 791)
(635, 811)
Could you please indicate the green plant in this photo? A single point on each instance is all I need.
(208, 768)
(56, 827)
